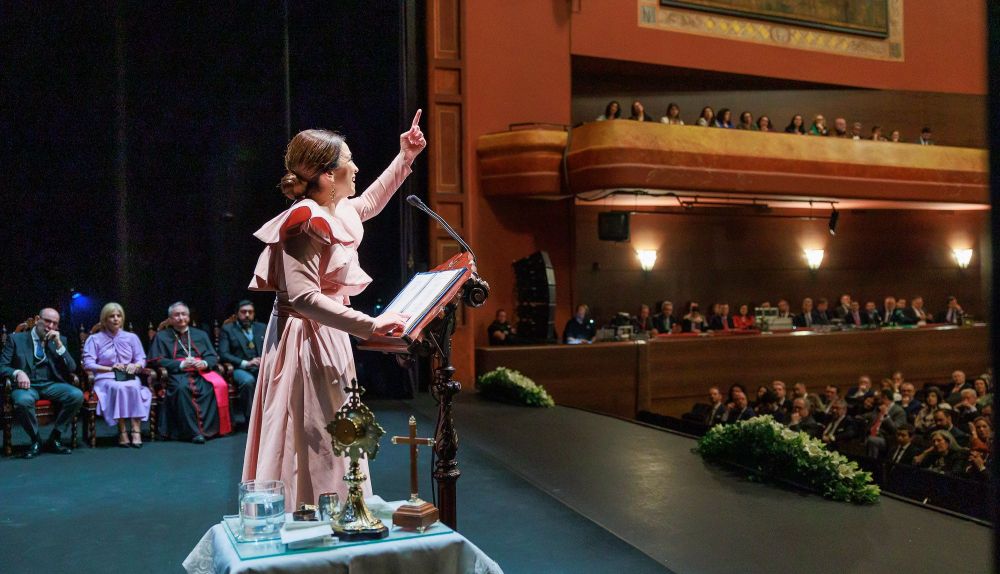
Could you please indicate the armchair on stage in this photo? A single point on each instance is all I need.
(44, 409)
(428, 333)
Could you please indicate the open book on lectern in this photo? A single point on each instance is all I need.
(422, 295)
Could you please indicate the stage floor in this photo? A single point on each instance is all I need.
(646, 486)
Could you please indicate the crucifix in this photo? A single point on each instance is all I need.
(416, 514)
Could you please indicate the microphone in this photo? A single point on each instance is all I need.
(415, 202)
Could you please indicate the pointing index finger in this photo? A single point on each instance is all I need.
(416, 118)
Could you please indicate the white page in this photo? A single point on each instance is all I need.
(420, 293)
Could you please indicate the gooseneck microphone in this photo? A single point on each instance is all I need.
(415, 202)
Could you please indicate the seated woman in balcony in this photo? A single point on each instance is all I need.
(764, 124)
(707, 117)
(796, 126)
(743, 319)
(724, 119)
(612, 111)
(115, 356)
(932, 404)
(639, 113)
(943, 456)
(693, 321)
(746, 122)
(818, 127)
(895, 136)
(877, 134)
(673, 116)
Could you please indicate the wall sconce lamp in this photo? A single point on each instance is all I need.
(814, 257)
(647, 257)
(963, 257)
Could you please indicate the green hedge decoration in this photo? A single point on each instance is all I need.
(508, 385)
(769, 450)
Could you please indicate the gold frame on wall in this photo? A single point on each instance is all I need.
(654, 16)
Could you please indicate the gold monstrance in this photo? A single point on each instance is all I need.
(356, 434)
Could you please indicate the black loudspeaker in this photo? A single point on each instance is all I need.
(535, 282)
(612, 226)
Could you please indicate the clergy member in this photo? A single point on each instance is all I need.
(241, 343)
(196, 405)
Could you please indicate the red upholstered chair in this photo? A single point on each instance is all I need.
(89, 409)
(44, 409)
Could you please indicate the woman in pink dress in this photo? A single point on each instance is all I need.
(112, 354)
(311, 262)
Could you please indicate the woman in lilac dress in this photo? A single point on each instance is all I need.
(115, 356)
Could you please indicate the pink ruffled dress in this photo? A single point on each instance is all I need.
(311, 262)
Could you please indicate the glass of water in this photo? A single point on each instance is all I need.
(262, 509)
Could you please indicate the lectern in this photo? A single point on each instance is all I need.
(428, 334)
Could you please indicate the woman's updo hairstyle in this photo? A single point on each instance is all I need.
(310, 154)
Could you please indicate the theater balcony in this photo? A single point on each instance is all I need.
(599, 157)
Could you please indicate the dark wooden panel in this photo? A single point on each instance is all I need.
(596, 377)
(447, 38)
(447, 148)
(447, 82)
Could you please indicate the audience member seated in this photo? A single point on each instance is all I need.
(901, 304)
(808, 317)
(784, 310)
(767, 404)
(746, 122)
(856, 131)
(871, 316)
(978, 465)
(673, 116)
(958, 383)
(643, 322)
(781, 393)
(639, 113)
(855, 317)
(891, 315)
(718, 412)
(818, 127)
(707, 117)
(944, 455)
(191, 405)
(856, 394)
(738, 408)
(743, 320)
(840, 128)
(981, 434)
(115, 356)
(877, 134)
(895, 385)
(764, 124)
(840, 429)
(915, 314)
(724, 119)
(980, 450)
(693, 321)
(664, 321)
(926, 137)
(843, 309)
(823, 313)
(933, 402)
(831, 394)
(911, 405)
(722, 321)
(905, 449)
(500, 331)
(982, 388)
(953, 314)
(895, 136)
(612, 111)
(966, 410)
(241, 343)
(40, 367)
(796, 126)
(880, 426)
(799, 392)
(944, 421)
(580, 328)
(801, 419)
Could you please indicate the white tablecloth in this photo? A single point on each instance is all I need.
(439, 554)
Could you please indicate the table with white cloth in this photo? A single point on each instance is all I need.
(438, 550)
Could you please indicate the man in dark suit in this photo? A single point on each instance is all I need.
(721, 320)
(40, 367)
(953, 314)
(943, 420)
(841, 428)
(844, 308)
(664, 321)
(871, 317)
(824, 315)
(891, 315)
(915, 313)
(855, 316)
(718, 412)
(808, 317)
(905, 449)
(801, 419)
(881, 424)
(241, 343)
